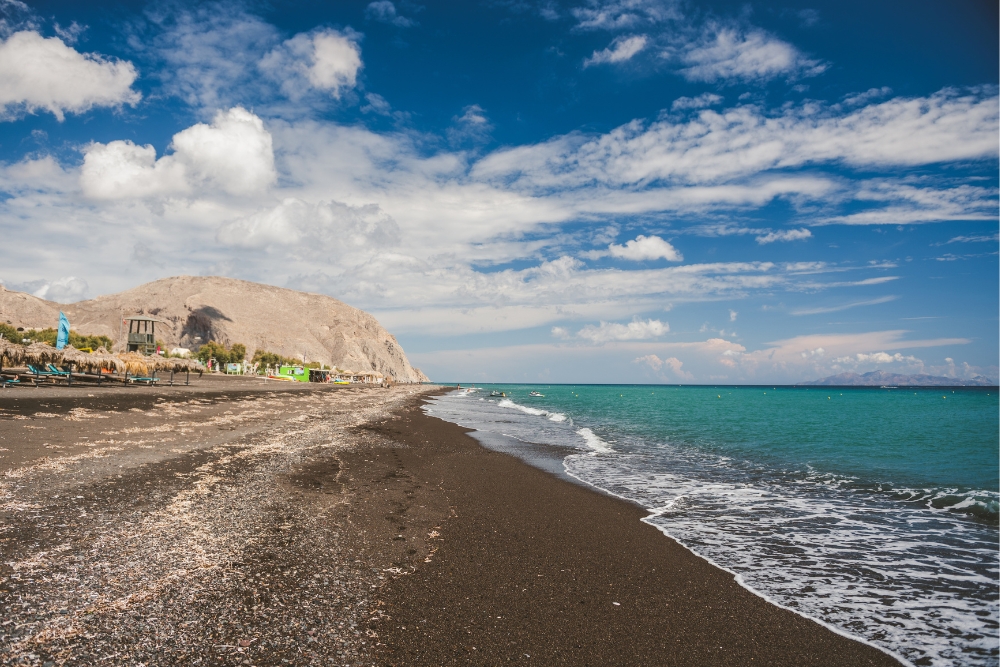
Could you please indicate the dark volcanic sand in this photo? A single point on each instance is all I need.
(529, 569)
(242, 525)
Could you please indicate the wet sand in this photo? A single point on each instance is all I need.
(530, 568)
(334, 526)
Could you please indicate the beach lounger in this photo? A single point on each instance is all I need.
(9, 382)
(144, 380)
(38, 373)
(42, 374)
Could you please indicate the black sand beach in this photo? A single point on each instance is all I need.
(343, 527)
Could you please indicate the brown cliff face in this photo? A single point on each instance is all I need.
(199, 309)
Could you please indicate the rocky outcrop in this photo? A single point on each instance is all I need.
(195, 310)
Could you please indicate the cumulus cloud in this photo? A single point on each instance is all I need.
(323, 60)
(620, 50)
(43, 73)
(62, 290)
(786, 235)
(324, 228)
(819, 355)
(643, 248)
(233, 155)
(878, 358)
(385, 12)
(732, 315)
(672, 364)
(613, 331)
(732, 54)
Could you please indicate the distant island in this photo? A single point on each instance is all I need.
(883, 378)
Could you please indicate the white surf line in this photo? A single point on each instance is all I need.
(736, 575)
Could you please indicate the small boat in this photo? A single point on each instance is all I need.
(497, 394)
(535, 393)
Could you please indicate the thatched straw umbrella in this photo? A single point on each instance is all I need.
(89, 362)
(71, 355)
(42, 353)
(177, 365)
(12, 352)
(135, 363)
(106, 360)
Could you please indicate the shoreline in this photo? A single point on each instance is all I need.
(342, 527)
(530, 567)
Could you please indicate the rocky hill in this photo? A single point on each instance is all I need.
(884, 378)
(196, 310)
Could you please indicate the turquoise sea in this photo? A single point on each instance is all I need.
(873, 511)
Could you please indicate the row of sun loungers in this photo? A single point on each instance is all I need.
(37, 375)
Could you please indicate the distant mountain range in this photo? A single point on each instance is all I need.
(883, 378)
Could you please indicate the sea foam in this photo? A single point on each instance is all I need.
(594, 442)
(552, 416)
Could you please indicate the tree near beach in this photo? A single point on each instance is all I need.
(265, 358)
(49, 335)
(236, 354)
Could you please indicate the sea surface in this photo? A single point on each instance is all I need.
(873, 511)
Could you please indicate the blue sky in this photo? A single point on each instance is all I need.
(587, 191)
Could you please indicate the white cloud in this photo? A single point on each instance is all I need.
(975, 239)
(325, 60)
(234, 154)
(376, 104)
(745, 141)
(620, 50)
(622, 14)
(819, 355)
(613, 331)
(844, 306)
(732, 315)
(672, 364)
(731, 54)
(700, 102)
(643, 248)
(44, 73)
(62, 290)
(786, 235)
(472, 126)
(326, 228)
(208, 56)
(878, 358)
(911, 204)
(385, 11)
(857, 99)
